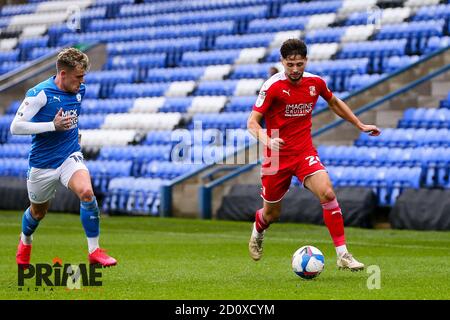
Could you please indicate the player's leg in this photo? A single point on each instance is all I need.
(75, 176)
(319, 183)
(41, 187)
(80, 184)
(31, 218)
(274, 187)
(263, 218)
(30, 221)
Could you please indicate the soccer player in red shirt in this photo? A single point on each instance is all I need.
(285, 102)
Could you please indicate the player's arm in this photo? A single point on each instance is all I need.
(254, 127)
(22, 124)
(262, 104)
(343, 110)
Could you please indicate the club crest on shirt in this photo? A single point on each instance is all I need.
(312, 91)
(78, 97)
(261, 97)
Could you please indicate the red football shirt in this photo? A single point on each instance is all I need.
(288, 107)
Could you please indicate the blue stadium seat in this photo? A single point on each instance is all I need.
(357, 18)
(167, 170)
(335, 172)
(176, 104)
(93, 121)
(277, 24)
(55, 32)
(408, 118)
(326, 35)
(209, 58)
(216, 88)
(395, 62)
(124, 23)
(89, 14)
(5, 124)
(342, 68)
(5, 21)
(103, 171)
(250, 71)
(122, 90)
(108, 79)
(175, 74)
(243, 41)
(25, 139)
(14, 167)
(133, 195)
(154, 46)
(441, 11)
(104, 106)
(443, 168)
(446, 102)
(400, 179)
(369, 141)
(425, 118)
(14, 150)
(138, 155)
(13, 107)
(9, 56)
(13, 10)
(40, 52)
(309, 8)
(158, 138)
(181, 14)
(9, 66)
(92, 91)
(413, 29)
(358, 81)
(273, 56)
(154, 32)
(240, 104)
(436, 43)
(26, 46)
(373, 48)
(402, 138)
(222, 121)
(157, 60)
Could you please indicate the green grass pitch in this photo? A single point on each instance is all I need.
(174, 259)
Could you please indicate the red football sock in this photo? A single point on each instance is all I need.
(332, 217)
(261, 224)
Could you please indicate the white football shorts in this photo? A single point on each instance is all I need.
(42, 183)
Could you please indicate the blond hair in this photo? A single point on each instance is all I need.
(70, 58)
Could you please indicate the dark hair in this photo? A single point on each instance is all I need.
(293, 47)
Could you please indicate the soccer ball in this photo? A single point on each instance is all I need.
(308, 262)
